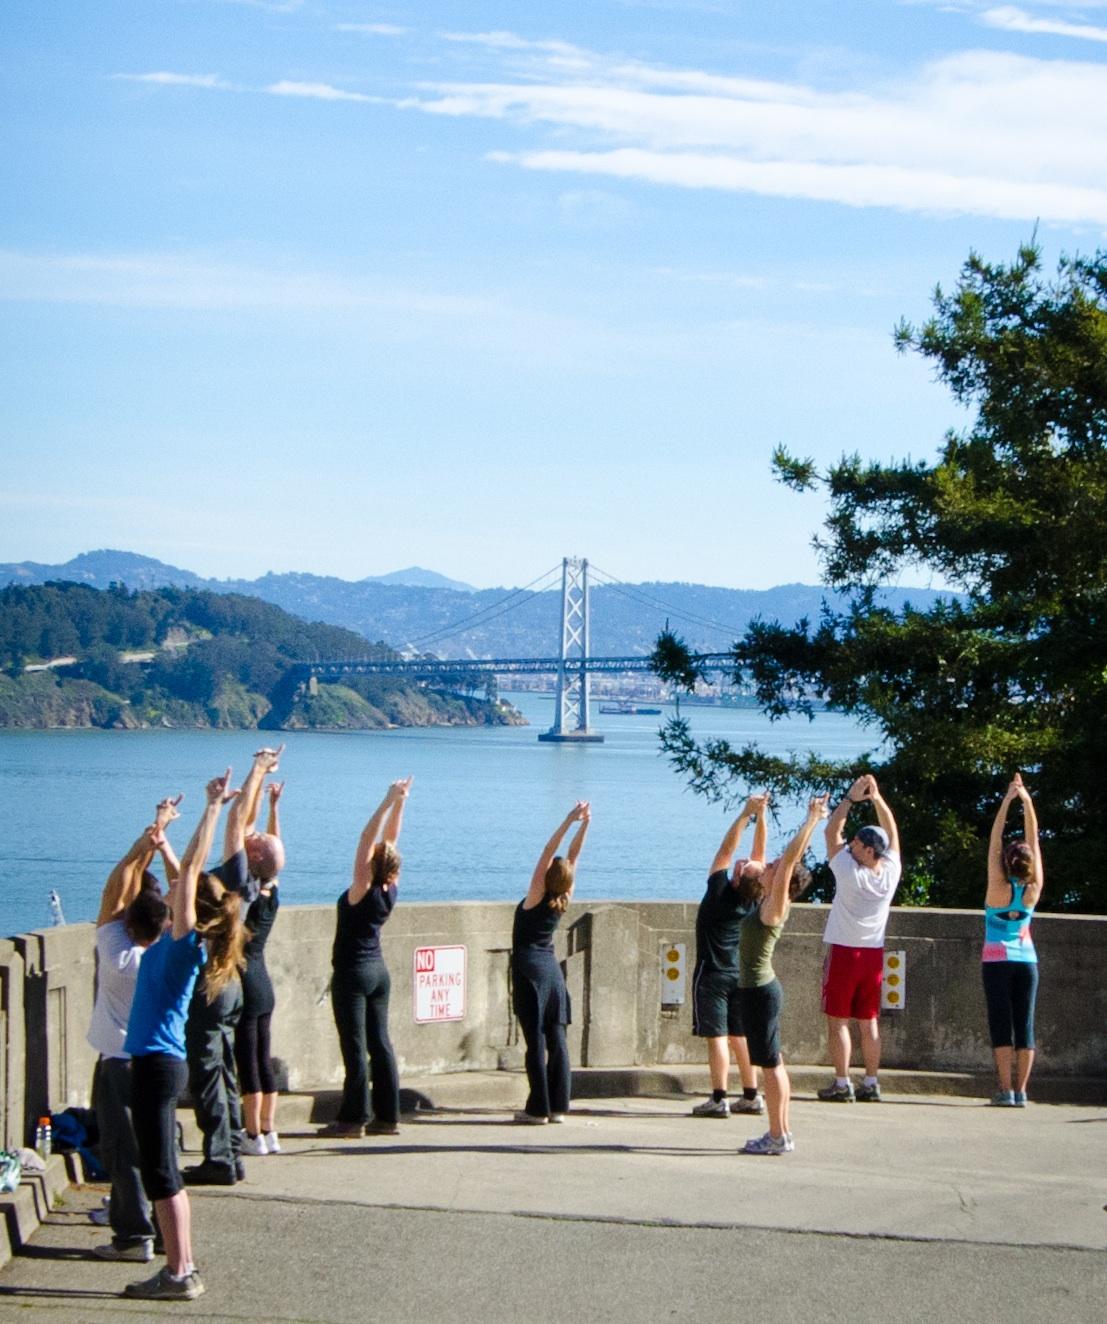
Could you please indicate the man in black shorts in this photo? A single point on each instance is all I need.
(209, 1032)
(716, 1016)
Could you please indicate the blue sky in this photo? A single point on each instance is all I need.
(343, 287)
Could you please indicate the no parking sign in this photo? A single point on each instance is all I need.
(439, 993)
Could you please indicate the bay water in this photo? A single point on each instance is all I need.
(484, 801)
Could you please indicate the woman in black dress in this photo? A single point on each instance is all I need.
(360, 984)
(252, 1034)
(540, 998)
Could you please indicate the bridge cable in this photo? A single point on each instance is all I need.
(648, 600)
(500, 606)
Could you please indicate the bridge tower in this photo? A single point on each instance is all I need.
(571, 703)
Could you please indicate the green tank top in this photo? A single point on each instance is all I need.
(756, 941)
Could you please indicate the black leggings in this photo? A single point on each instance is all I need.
(359, 998)
(157, 1081)
(251, 1054)
(1010, 990)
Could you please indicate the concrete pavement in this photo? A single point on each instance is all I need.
(632, 1210)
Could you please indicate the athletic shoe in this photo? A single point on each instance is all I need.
(712, 1108)
(744, 1105)
(381, 1128)
(140, 1252)
(1003, 1099)
(342, 1131)
(768, 1144)
(239, 1170)
(789, 1143)
(529, 1119)
(101, 1217)
(272, 1140)
(835, 1093)
(556, 1118)
(867, 1093)
(209, 1174)
(254, 1146)
(164, 1287)
(1019, 1099)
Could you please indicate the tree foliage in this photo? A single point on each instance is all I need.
(1010, 671)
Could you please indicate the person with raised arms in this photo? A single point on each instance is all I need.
(206, 934)
(759, 990)
(252, 1034)
(133, 915)
(212, 1077)
(730, 895)
(539, 996)
(360, 983)
(1009, 959)
(866, 874)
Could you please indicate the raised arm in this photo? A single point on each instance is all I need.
(244, 809)
(370, 834)
(273, 826)
(835, 829)
(573, 853)
(1030, 832)
(125, 880)
(997, 875)
(394, 819)
(884, 815)
(724, 856)
(217, 793)
(775, 906)
(760, 804)
(537, 889)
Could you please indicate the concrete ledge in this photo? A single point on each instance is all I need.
(22, 1210)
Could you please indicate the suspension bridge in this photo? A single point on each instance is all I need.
(573, 664)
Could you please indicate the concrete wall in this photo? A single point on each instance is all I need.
(611, 954)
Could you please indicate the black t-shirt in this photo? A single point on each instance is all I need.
(260, 919)
(718, 922)
(357, 937)
(234, 874)
(535, 927)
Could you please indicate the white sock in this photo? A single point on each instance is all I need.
(841, 1081)
(870, 1080)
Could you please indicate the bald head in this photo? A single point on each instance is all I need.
(265, 855)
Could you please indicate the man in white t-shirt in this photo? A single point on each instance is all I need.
(866, 874)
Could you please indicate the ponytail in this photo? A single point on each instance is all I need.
(384, 865)
(559, 883)
(219, 923)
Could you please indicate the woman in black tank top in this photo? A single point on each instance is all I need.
(539, 996)
(360, 984)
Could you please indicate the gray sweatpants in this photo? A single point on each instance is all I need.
(131, 1219)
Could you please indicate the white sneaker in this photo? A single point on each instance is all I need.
(272, 1140)
(712, 1108)
(556, 1118)
(529, 1119)
(744, 1105)
(254, 1146)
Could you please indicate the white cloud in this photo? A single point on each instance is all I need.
(1010, 19)
(166, 79)
(373, 29)
(980, 132)
(316, 91)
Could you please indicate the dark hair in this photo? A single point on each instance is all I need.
(751, 885)
(799, 882)
(384, 864)
(1018, 859)
(146, 916)
(559, 883)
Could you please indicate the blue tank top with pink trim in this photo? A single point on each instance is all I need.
(1007, 929)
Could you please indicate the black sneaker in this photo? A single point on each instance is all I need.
(867, 1093)
(209, 1174)
(835, 1093)
(163, 1287)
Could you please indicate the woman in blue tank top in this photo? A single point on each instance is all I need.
(539, 996)
(1010, 963)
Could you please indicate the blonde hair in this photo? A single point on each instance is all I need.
(559, 883)
(219, 923)
(384, 864)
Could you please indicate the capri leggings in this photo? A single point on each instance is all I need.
(252, 1055)
(1010, 990)
(157, 1082)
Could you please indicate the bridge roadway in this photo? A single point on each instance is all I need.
(499, 665)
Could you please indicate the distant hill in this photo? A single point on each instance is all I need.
(465, 622)
(74, 655)
(416, 577)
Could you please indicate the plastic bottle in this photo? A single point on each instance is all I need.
(56, 916)
(44, 1138)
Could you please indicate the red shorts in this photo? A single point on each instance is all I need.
(851, 982)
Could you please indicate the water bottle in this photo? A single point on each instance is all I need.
(44, 1138)
(56, 916)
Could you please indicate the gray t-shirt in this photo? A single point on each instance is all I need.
(118, 957)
